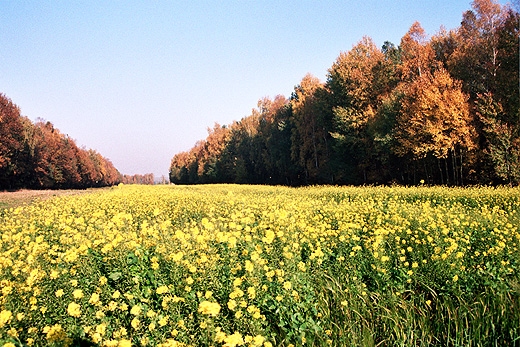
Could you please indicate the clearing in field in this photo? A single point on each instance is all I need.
(25, 196)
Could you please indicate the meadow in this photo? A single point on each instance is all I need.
(230, 265)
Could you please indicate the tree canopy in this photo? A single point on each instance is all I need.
(442, 110)
(37, 155)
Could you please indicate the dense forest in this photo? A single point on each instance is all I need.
(36, 155)
(438, 110)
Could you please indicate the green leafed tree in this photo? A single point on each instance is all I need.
(311, 138)
(502, 140)
(11, 143)
(360, 81)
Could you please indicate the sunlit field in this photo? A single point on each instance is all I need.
(229, 265)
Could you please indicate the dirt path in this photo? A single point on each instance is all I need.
(24, 196)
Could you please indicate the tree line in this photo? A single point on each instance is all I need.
(138, 179)
(440, 110)
(37, 155)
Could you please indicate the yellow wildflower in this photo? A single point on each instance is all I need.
(74, 309)
(232, 304)
(5, 317)
(59, 293)
(249, 266)
(101, 329)
(12, 332)
(251, 292)
(209, 308)
(258, 340)
(162, 290)
(54, 274)
(77, 294)
(151, 326)
(220, 336)
(135, 323)
(94, 299)
(233, 340)
(136, 310)
(163, 321)
(116, 295)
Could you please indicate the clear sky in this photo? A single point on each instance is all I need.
(140, 81)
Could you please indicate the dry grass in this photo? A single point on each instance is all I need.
(25, 197)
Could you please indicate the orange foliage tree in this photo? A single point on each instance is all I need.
(37, 155)
(444, 109)
(435, 120)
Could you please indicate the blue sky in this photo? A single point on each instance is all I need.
(140, 81)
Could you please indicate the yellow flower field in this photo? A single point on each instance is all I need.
(229, 265)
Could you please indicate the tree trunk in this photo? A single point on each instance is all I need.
(461, 177)
(414, 175)
(440, 170)
(315, 148)
(426, 171)
(447, 171)
(454, 164)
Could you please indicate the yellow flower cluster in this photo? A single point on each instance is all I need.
(199, 265)
(209, 308)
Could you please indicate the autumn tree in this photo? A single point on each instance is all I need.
(106, 173)
(86, 168)
(214, 144)
(37, 155)
(246, 157)
(55, 158)
(435, 120)
(485, 57)
(445, 109)
(45, 170)
(242, 152)
(139, 179)
(57, 162)
(179, 168)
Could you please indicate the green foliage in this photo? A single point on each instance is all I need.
(503, 142)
